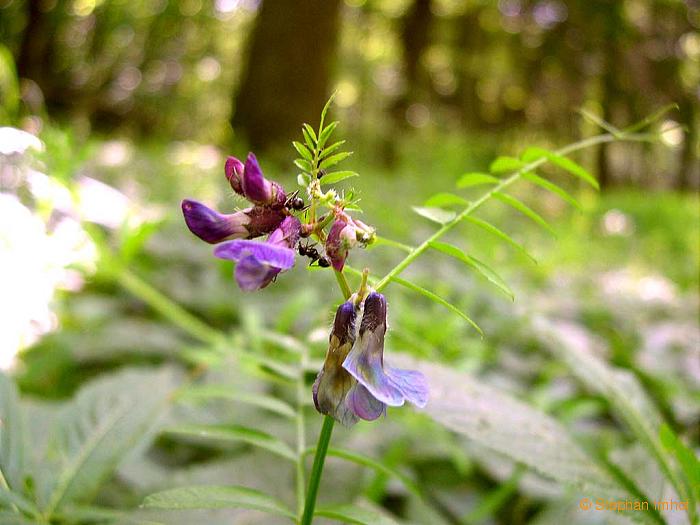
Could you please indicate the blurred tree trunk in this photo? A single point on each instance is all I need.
(34, 57)
(288, 74)
(414, 38)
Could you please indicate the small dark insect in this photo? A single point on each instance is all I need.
(294, 202)
(309, 250)
(320, 174)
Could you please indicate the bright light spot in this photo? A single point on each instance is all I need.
(418, 115)
(13, 140)
(617, 223)
(347, 94)
(690, 44)
(114, 153)
(671, 133)
(549, 13)
(208, 69)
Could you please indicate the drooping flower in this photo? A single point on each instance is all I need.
(377, 383)
(354, 382)
(214, 227)
(259, 263)
(345, 234)
(333, 382)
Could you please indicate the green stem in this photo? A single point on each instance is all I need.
(166, 307)
(324, 440)
(301, 435)
(582, 144)
(343, 283)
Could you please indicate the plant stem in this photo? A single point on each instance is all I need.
(343, 283)
(324, 440)
(166, 307)
(301, 435)
(582, 144)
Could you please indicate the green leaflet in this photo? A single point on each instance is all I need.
(12, 439)
(474, 263)
(337, 176)
(534, 153)
(435, 214)
(235, 433)
(302, 150)
(216, 497)
(550, 186)
(436, 298)
(499, 233)
(505, 164)
(525, 210)
(688, 461)
(91, 440)
(445, 199)
(476, 179)
(354, 514)
(212, 392)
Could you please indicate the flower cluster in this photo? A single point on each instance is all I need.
(258, 262)
(354, 381)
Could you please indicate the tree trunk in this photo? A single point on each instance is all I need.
(286, 82)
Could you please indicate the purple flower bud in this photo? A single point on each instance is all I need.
(379, 384)
(333, 382)
(257, 189)
(341, 238)
(212, 226)
(259, 263)
(234, 174)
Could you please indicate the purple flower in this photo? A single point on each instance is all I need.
(354, 382)
(213, 227)
(256, 188)
(345, 234)
(259, 263)
(378, 384)
(333, 382)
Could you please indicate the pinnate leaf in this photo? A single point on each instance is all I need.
(216, 497)
(474, 263)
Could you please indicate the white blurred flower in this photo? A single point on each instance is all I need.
(34, 264)
(13, 140)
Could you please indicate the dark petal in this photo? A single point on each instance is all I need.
(363, 404)
(212, 226)
(374, 313)
(256, 188)
(344, 323)
(263, 219)
(251, 274)
(234, 174)
(264, 253)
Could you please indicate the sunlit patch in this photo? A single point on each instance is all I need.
(114, 153)
(671, 133)
(616, 222)
(14, 140)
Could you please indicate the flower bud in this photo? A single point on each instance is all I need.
(234, 174)
(257, 189)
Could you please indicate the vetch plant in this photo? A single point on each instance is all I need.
(317, 224)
